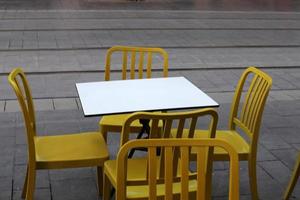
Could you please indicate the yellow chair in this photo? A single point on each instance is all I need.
(131, 56)
(245, 117)
(59, 151)
(137, 167)
(182, 185)
(293, 180)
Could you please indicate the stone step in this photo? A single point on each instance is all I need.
(147, 24)
(62, 85)
(145, 14)
(74, 103)
(179, 59)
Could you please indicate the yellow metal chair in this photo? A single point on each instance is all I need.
(245, 117)
(59, 151)
(136, 63)
(169, 185)
(293, 180)
(137, 167)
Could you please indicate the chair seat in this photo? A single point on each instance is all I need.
(135, 173)
(232, 137)
(73, 150)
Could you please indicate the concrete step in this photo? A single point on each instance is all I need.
(179, 59)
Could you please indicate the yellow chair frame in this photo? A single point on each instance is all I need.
(180, 120)
(163, 188)
(55, 152)
(293, 180)
(114, 123)
(247, 120)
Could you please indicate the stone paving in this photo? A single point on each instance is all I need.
(208, 42)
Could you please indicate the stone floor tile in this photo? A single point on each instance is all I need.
(296, 146)
(291, 108)
(7, 132)
(60, 115)
(59, 128)
(73, 189)
(292, 134)
(263, 154)
(39, 194)
(65, 174)
(43, 104)
(271, 141)
(280, 96)
(5, 194)
(2, 104)
(295, 94)
(89, 126)
(21, 156)
(277, 170)
(12, 106)
(42, 178)
(222, 97)
(65, 104)
(21, 137)
(5, 183)
(287, 156)
(6, 166)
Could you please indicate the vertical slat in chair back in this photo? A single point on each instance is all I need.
(180, 121)
(136, 60)
(248, 113)
(19, 83)
(186, 177)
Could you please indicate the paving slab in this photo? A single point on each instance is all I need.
(222, 97)
(279, 95)
(277, 170)
(42, 180)
(79, 188)
(5, 194)
(43, 104)
(44, 194)
(2, 105)
(287, 156)
(65, 104)
(12, 106)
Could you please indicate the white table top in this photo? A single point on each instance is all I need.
(124, 96)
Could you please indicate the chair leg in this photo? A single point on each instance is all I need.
(104, 131)
(293, 180)
(24, 191)
(208, 186)
(253, 178)
(100, 180)
(106, 187)
(30, 183)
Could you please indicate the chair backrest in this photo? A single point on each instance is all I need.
(19, 83)
(177, 123)
(169, 180)
(172, 121)
(247, 114)
(136, 60)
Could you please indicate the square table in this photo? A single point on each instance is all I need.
(155, 94)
